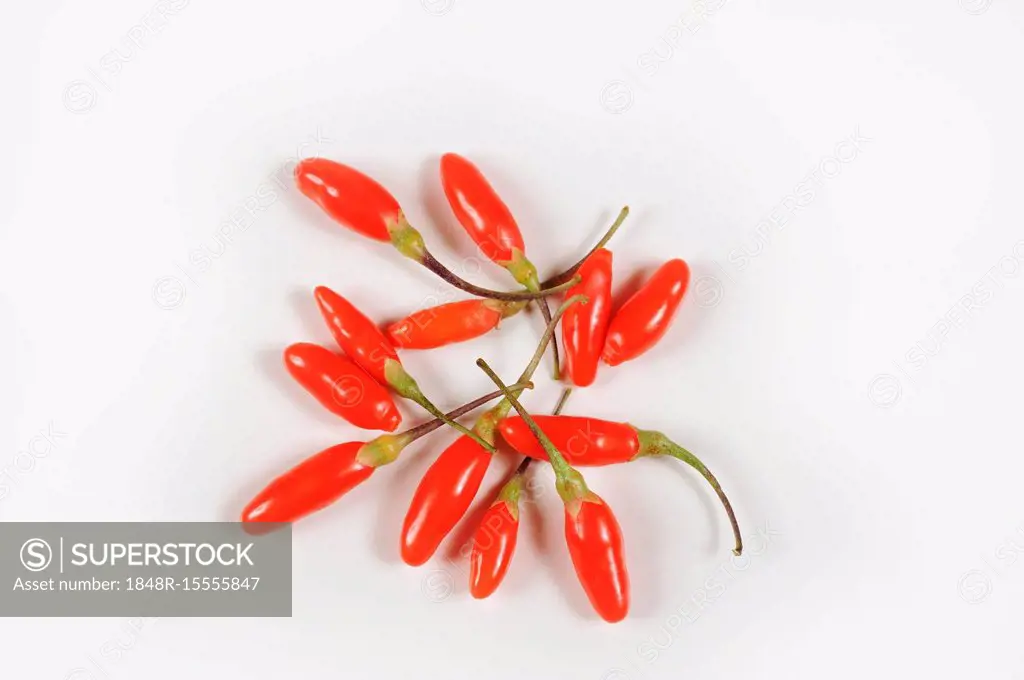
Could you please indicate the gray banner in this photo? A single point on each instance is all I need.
(144, 569)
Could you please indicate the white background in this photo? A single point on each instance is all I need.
(853, 377)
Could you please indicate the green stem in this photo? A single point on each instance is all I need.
(511, 490)
(409, 242)
(655, 443)
(429, 407)
(522, 270)
(486, 423)
(545, 312)
(527, 275)
(525, 463)
(434, 265)
(426, 428)
(549, 334)
(561, 401)
(571, 271)
(568, 481)
(405, 385)
(568, 273)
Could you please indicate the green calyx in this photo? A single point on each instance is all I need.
(652, 443)
(382, 450)
(523, 271)
(571, 489)
(406, 239)
(506, 308)
(401, 382)
(565, 475)
(510, 493)
(406, 385)
(487, 424)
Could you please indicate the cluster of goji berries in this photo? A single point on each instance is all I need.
(357, 386)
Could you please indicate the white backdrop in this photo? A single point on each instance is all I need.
(843, 178)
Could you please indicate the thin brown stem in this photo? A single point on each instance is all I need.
(561, 401)
(562, 468)
(568, 273)
(654, 443)
(429, 407)
(694, 462)
(545, 312)
(549, 334)
(434, 265)
(431, 425)
(487, 423)
(525, 463)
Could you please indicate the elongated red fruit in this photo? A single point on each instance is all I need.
(480, 210)
(342, 387)
(595, 545)
(442, 498)
(351, 198)
(645, 317)
(589, 441)
(584, 326)
(311, 485)
(494, 543)
(356, 334)
(450, 323)
(582, 441)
